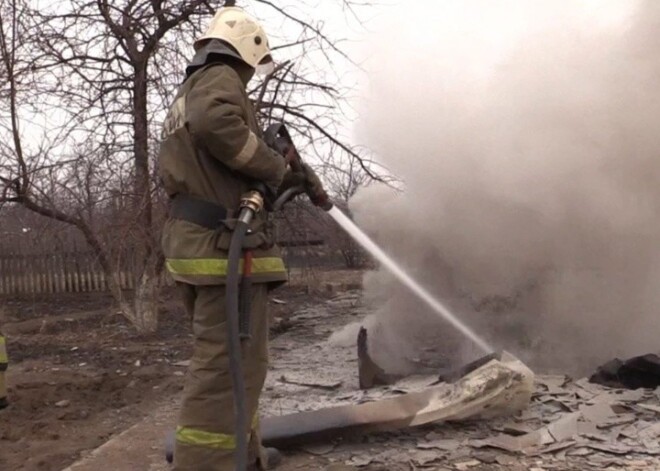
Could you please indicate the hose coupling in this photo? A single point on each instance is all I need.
(252, 200)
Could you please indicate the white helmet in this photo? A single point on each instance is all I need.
(242, 32)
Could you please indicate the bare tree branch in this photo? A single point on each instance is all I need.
(104, 73)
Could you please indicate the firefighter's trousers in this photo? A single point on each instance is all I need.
(205, 438)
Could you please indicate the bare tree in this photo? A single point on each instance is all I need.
(92, 58)
(88, 83)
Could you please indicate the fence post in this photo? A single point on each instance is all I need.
(60, 272)
(3, 275)
(11, 262)
(38, 271)
(22, 272)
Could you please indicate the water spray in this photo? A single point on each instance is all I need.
(278, 134)
(395, 269)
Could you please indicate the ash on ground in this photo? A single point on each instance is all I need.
(570, 425)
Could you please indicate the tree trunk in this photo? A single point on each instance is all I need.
(145, 303)
(142, 184)
(143, 312)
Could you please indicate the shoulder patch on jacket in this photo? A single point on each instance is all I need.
(176, 118)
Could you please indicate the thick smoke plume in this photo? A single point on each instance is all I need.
(528, 137)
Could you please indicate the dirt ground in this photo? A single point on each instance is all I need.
(80, 374)
(80, 377)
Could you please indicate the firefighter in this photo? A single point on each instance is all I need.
(212, 152)
(3, 369)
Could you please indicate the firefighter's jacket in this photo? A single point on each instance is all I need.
(212, 150)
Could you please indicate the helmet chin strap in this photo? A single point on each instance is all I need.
(265, 69)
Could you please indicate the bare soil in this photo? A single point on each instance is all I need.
(79, 373)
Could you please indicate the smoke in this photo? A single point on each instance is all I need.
(527, 134)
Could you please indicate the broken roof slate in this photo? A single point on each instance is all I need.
(616, 428)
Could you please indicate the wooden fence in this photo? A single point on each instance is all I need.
(29, 265)
(62, 272)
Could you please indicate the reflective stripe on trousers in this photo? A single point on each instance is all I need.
(217, 441)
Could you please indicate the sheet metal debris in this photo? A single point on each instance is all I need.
(369, 373)
(454, 375)
(498, 388)
(310, 382)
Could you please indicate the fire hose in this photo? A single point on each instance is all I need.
(251, 204)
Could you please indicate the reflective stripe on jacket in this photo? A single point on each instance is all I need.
(265, 269)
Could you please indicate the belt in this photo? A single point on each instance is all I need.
(200, 212)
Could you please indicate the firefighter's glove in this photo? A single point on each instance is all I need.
(314, 187)
(283, 147)
(291, 179)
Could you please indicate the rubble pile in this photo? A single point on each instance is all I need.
(570, 424)
(603, 427)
